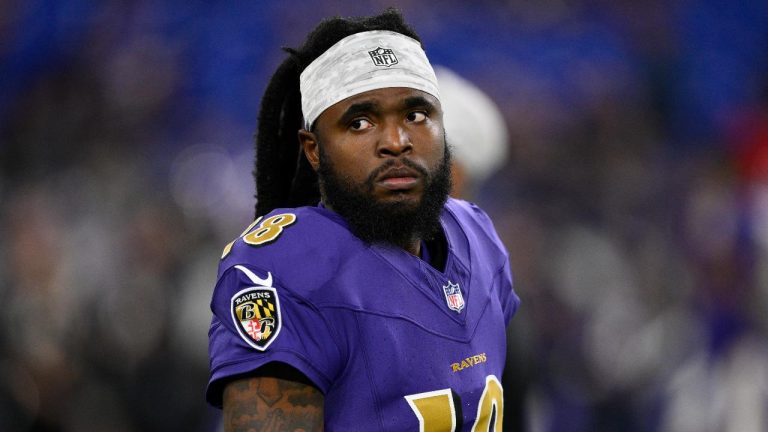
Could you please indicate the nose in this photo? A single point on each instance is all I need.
(394, 140)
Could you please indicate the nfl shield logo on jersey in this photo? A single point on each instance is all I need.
(453, 296)
(383, 57)
(256, 313)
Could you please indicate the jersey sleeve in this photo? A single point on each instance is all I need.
(257, 321)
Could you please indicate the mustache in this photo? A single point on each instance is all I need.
(396, 162)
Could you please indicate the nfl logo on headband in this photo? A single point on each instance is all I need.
(383, 57)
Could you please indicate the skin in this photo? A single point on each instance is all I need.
(272, 404)
(361, 133)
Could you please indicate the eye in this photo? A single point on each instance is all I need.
(416, 116)
(360, 124)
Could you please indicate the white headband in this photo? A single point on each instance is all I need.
(361, 62)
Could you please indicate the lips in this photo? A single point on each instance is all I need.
(399, 178)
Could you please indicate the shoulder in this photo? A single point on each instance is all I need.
(298, 246)
(288, 233)
(476, 225)
(468, 212)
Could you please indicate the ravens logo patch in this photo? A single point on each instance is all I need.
(256, 313)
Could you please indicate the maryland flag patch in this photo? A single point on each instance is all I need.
(256, 313)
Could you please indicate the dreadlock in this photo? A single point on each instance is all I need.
(283, 175)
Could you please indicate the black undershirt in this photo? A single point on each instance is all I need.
(436, 252)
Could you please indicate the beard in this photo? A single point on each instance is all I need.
(397, 223)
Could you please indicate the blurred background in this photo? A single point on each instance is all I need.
(633, 200)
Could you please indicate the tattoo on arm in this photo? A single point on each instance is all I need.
(271, 404)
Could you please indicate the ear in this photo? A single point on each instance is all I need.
(309, 143)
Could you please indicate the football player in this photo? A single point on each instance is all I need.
(361, 298)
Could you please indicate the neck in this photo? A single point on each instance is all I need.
(413, 248)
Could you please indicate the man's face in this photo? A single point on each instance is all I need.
(382, 163)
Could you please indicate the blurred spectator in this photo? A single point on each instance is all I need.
(475, 129)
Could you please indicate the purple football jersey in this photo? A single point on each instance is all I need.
(391, 342)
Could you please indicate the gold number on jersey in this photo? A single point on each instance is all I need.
(229, 245)
(265, 233)
(437, 413)
(269, 229)
(492, 399)
(435, 410)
